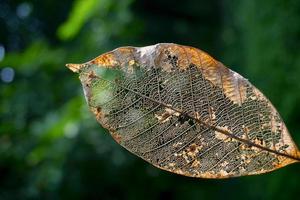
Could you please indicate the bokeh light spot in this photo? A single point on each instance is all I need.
(71, 130)
(7, 74)
(24, 10)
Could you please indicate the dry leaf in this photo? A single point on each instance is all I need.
(183, 111)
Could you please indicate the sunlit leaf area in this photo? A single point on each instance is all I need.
(51, 146)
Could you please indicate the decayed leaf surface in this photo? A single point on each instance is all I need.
(182, 111)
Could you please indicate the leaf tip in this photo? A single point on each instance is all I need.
(74, 67)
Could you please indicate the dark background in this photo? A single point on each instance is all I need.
(50, 144)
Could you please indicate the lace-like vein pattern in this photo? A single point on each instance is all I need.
(153, 105)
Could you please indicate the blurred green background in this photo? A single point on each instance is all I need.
(50, 144)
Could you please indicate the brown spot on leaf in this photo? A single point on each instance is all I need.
(107, 60)
(193, 147)
(193, 150)
(92, 75)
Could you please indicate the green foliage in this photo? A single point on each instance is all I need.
(81, 12)
(50, 145)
